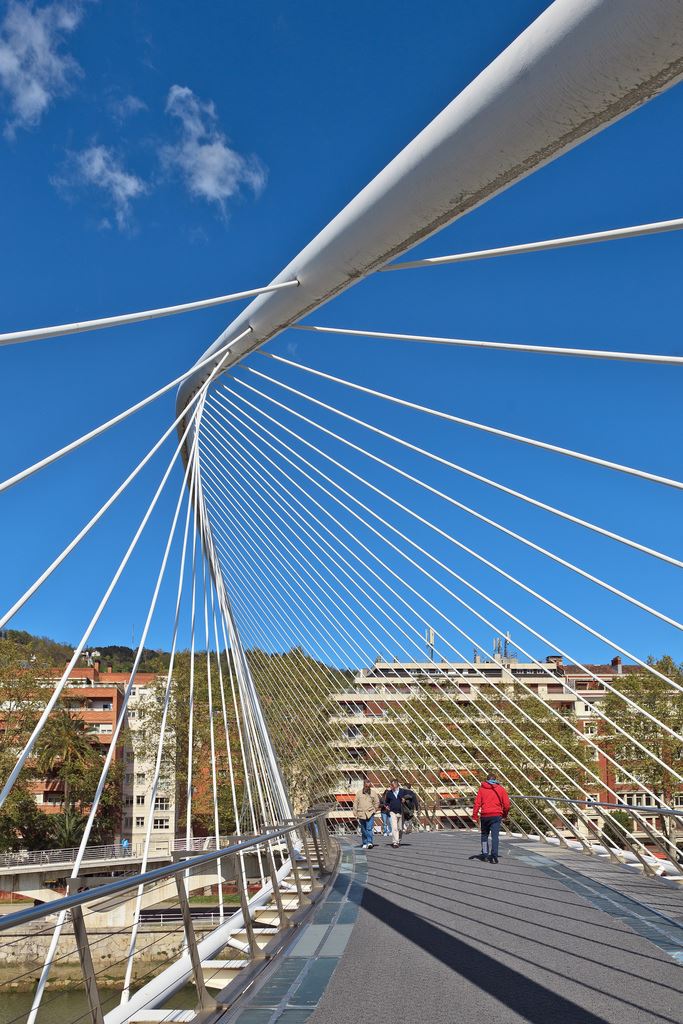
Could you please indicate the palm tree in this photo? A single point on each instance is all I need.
(65, 750)
(67, 829)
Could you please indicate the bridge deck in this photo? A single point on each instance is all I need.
(440, 938)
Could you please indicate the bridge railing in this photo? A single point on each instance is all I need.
(112, 851)
(619, 844)
(274, 876)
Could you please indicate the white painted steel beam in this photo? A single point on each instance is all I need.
(580, 66)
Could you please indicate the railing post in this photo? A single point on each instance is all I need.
(321, 823)
(322, 864)
(241, 878)
(87, 968)
(647, 869)
(284, 923)
(655, 839)
(204, 1000)
(295, 867)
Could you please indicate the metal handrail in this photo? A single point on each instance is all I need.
(79, 899)
(113, 851)
(631, 808)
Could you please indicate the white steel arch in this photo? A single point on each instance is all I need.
(582, 65)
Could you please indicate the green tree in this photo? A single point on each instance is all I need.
(532, 749)
(65, 751)
(296, 694)
(67, 828)
(23, 826)
(614, 825)
(666, 705)
(23, 689)
(176, 757)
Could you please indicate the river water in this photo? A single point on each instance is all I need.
(72, 1007)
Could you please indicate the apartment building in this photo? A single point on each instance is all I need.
(138, 777)
(398, 692)
(95, 697)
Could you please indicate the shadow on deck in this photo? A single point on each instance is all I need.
(424, 934)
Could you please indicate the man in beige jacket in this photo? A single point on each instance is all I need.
(365, 806)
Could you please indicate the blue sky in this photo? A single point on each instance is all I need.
(157, 153)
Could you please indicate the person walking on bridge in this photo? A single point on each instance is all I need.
(493, 804)
(365, 806)
(393, 799)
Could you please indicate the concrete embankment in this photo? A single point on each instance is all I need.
(23, 952)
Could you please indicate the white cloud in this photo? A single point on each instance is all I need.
(99, 167)
(126, 106)
(33, 68)
(210, 168)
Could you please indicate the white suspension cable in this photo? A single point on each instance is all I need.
(613, 234)
(125, 994)
(43, 333)
(49, 459)
(414, 767)
(38, 582)
(461, 579)
(463, 547)
(382, 579)
(248, 683)
(636, 545)
(485, 680)
(303, 525)
(506, 346)
(275, 550)
(240, 737)
(190, 697)
(26, 752)
(426, 723)
(212, 741)
(121, 717)
(224, 711)
(496, 431)
(453, 501)
(211, 558)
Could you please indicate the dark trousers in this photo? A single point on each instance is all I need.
(490, 830)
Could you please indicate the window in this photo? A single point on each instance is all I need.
(140, 799)
(162, 823)
(132, 713)
(128, 779)
(140, 822)
(162, 803)
(590, 730)
(127, 821)
(105, 729)
(140, 778)
(130, 756)
(128, 800)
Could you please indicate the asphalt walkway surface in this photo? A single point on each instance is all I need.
(441, 939)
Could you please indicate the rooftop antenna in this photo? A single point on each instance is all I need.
(429, 636)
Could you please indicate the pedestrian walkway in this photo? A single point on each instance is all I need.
(439, 938)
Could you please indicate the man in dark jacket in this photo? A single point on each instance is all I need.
(493, 804)
(393, 799)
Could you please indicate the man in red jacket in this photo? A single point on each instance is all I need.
(492, 803)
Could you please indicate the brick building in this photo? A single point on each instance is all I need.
(95, 697)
